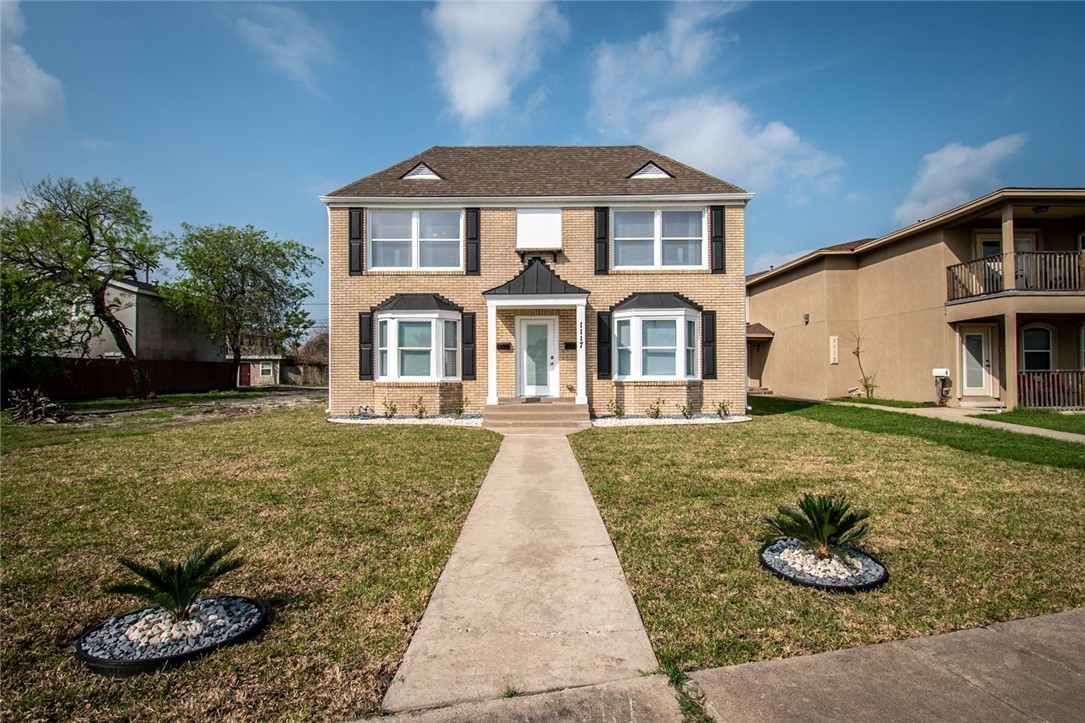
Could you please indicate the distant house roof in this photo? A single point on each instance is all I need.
(759, 331)
(417, 302)
(512, 171)
(537, 278)
(655, 301)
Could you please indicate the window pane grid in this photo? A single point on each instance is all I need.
(415, 239)
(658, 238)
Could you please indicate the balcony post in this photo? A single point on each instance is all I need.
(1009, 260)
(1010, 362)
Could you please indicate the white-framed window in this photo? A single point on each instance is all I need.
(421, 240)
(265, 369)
(538, 228)
(418, 346)
(1037, 348)
(656, 345)
(659, 238)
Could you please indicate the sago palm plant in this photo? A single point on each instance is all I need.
(822, 523)
(174, 586)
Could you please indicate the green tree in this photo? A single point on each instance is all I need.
(248, 288)
(72, 239)
(35, 327)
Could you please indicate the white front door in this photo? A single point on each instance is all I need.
(976, 362)
(537, 357)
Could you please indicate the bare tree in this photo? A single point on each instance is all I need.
(865, 380)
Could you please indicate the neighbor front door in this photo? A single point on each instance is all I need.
(976, 354)
(537, 352)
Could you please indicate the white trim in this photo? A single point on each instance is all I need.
(987, 333)
(551, 300)
(491, 353)
(436, 349)
(651, 170)
(415, 240)
(582, 354)
(329, 265)
(553, 376)
(657, 240)
(421, 172)
(715, 199)
(635, 317)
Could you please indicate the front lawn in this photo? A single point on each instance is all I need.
(345, 529)
(1073, 423)
(973, 529)
(879, 402)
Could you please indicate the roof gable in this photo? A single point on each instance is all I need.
(536, 279)
(526, 171)
(422, 172)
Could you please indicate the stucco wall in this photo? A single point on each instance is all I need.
(156, 332)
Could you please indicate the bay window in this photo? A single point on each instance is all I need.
(418, 346)
(415, 239)
(656, 345)
(659, 238)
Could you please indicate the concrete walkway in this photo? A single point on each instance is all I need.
(532, 598)
(954, 414)
(1026, 670)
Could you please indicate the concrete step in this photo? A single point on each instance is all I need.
(535, 423)
(759, 391)
(982, 404)
(557, 414)
(572, 413)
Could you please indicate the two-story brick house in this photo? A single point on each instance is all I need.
(499, 272)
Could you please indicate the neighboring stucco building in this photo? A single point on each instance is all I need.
(992, 291)
(497, 272)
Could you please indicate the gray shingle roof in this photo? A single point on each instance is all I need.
(505, 171)
(537, 278)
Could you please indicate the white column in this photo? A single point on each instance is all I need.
(581, 356)
(491, 353)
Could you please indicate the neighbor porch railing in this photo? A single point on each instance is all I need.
(1048, 270)
(1033, 271)
(1059, 389)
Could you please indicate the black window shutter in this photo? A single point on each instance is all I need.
(473, 267)
(468, 346)
(708, 345)
(602, 237)
(604, 359)
(719, 265)
(357, 241)
(365, 345)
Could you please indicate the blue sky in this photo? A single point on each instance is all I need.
(846, 119)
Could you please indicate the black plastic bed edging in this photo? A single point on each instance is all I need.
(128, 668)
(863, 587)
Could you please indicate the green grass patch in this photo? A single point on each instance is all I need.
(970, 536)
(344, 529)
(1044, 419)
(113, 404)
(878, 402)
(984, 441)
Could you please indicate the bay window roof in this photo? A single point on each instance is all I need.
(669, 300)
(417, 302)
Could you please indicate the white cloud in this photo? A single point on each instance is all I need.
(8, 201)
(29, 92)
(637, 91)
(954, 174)
(287, 38)
(485, 50)
(767, 259)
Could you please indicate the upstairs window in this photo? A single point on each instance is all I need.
(423, 240)
(659, 239)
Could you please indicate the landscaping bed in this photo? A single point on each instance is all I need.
(344, 530)
(975, 525)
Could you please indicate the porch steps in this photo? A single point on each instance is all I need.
(536, 412)
(982, 403)
(759, 391)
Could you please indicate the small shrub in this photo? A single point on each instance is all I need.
(686, 409)
(616, 408)
(822, 523)
(419, 408)
(459, 407)
(655, 409)
(30, 406)
(390, 409)
(723, 410)
(173, 586)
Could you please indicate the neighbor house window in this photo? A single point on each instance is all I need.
(265, 369)
(658, 238)
(418, 346)
(1036, 349)
(656, 345)
(415, 239)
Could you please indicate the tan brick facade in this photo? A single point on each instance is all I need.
(722, 293)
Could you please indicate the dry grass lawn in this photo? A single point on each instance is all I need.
(345, 530)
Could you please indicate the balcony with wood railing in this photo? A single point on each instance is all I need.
(1047, 271)
(1058, 389)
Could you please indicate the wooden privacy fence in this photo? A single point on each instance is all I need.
(113, 378)
(1059, 389)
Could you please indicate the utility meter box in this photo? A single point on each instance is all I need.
(939, 372)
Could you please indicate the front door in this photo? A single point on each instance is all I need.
(245, 369)
(537, 356)
(976, 354)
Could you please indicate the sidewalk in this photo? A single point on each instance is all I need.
(1026, 670)
(533, 597)
(954, 414)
